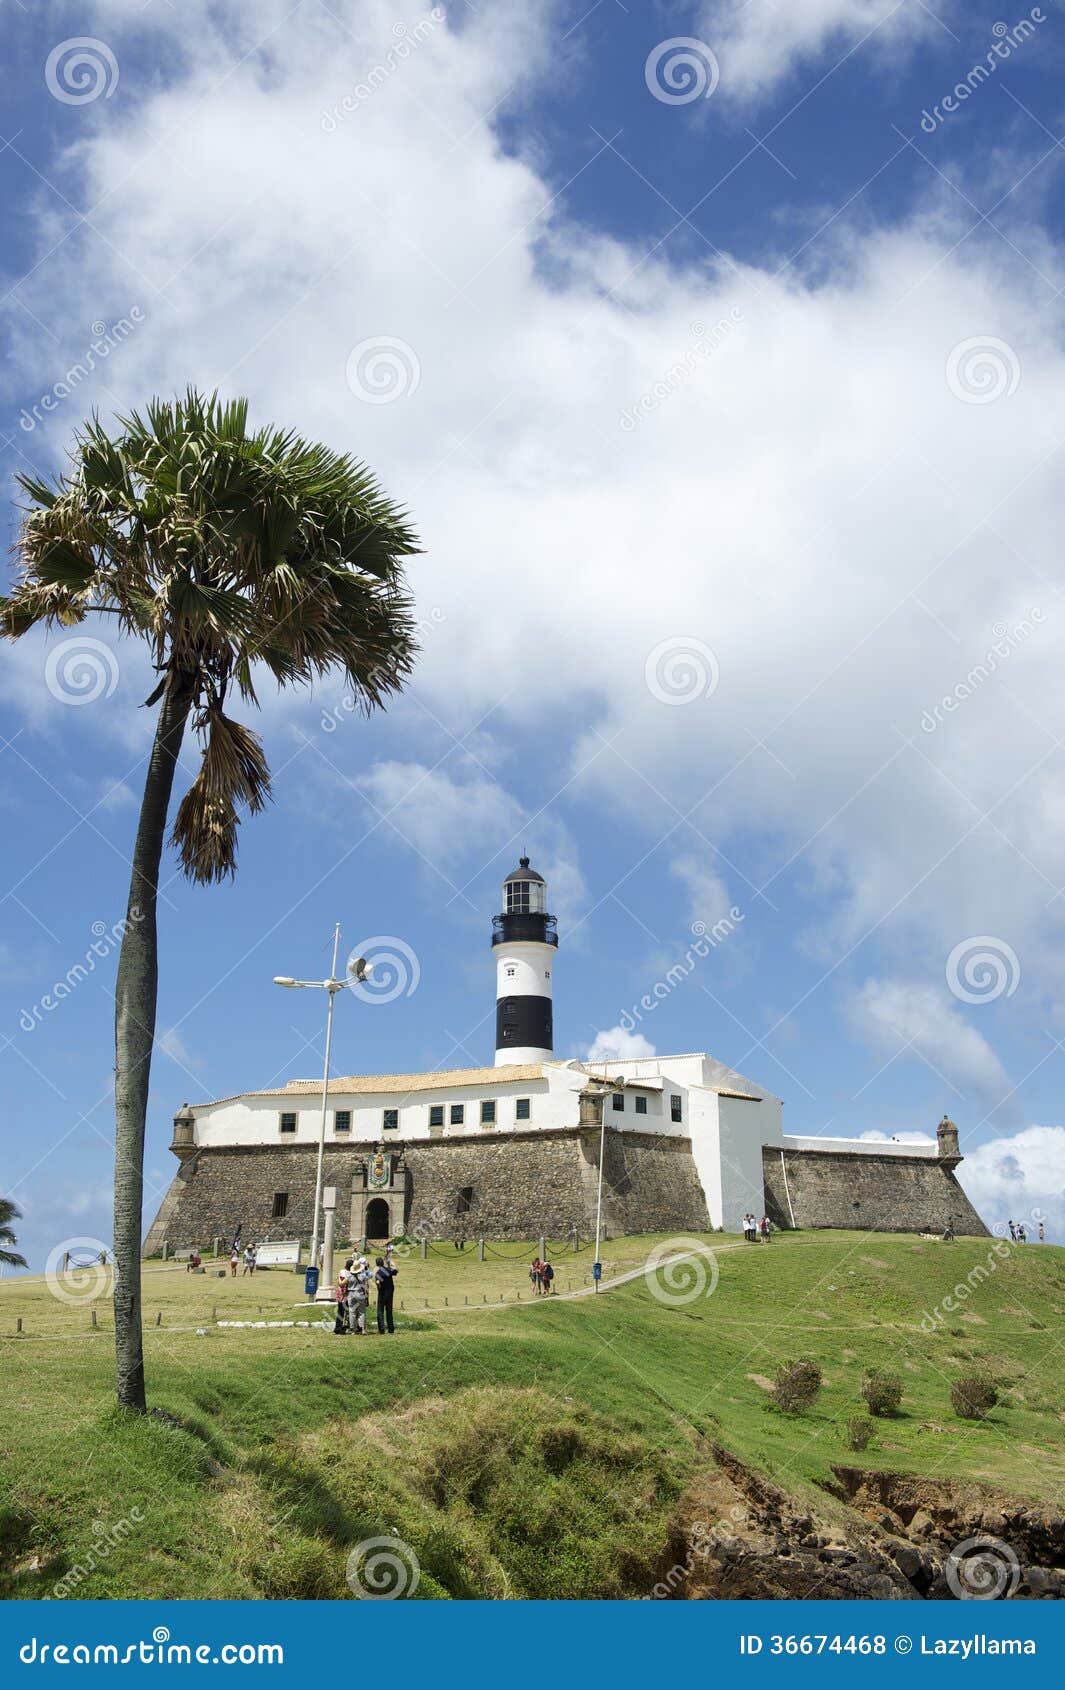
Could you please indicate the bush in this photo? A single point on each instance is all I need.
(797, 1385)
(974, 1396)
(882, 1392)
(859, 1431)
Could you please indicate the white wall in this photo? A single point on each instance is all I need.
(863, 1146)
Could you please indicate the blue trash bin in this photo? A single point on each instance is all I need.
(310, 1281)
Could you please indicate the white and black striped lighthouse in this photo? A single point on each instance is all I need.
(525, 939)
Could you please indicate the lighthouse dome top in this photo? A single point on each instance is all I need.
(523, 872)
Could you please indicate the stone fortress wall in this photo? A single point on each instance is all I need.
(524, 1185)
(499, 1185)
(878, 1192)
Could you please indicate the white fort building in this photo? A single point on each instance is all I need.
(513, 1150)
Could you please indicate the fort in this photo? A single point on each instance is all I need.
(513, 1151)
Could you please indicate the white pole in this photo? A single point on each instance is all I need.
(332, 988)
(599, 1198)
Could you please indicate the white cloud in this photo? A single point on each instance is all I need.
(617, 1042)
(760, 42)
(815, 504)
(171, 1044)
(896, 1016)
(1021, 1177)
(707, 894)
(464, 826)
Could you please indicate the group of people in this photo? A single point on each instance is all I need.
(1019, 1232)
(754, 1229)
(250, 1258)
(541, 1275)
(353, 1293)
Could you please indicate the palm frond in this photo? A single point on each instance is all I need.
(234, 772)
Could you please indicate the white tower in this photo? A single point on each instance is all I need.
(525, 939)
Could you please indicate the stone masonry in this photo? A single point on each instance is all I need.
(873, 1193)
(497, 1185)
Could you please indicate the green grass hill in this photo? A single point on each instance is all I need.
(537, 1448)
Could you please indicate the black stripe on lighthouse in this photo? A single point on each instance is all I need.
(524, 1023)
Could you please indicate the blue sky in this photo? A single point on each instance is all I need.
(732, 423)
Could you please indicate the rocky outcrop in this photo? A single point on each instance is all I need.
(898, 1537)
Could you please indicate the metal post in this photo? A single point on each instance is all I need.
(332, 990)
(480, 1249)
(599, 1197)
(327, 1249)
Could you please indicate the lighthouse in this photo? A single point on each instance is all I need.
(524, 938)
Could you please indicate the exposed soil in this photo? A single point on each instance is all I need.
(737, 1535)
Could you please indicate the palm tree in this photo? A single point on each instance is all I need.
(9, 1212)
(229, 553)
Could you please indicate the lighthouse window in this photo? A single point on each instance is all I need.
(280, 1208)
(342, 1121)
(390, 1120)
(488, 1112)
(674, 1108)
(511, 972)
(522, 1110)
(458, 1114)
(617, 1102)
(436, 1114)
(641, 1106)
(287, 1123)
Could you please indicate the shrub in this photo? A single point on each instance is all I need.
(797, 1385)
(859, 1431)
(974, 1396)
(882, 1392)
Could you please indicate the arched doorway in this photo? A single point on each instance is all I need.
(378, 1223)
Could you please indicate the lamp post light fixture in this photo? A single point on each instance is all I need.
(359, 971)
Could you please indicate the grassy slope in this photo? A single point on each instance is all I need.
(532, 1451)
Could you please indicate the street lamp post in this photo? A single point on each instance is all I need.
(599, 1195)
(359, 969)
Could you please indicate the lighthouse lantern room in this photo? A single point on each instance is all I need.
(525, 939)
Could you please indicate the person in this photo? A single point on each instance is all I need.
(390, 1250)
(254, 1259)
(750, 1229)
(342, 1301)
(1042, 1234)
(385, 1280)
(547, 1274)
(1022, 1236)
(249, 1260)
(534, 1275)
(358, 1298)
(1013, 1231)
(948, 1231)
(194, 1262)
(765, 1229)
(234, 1259)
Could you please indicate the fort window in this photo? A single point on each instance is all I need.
(280, 1208)
(618, 1101)
(522, 1110)
(287, 1123)
(464, 1200)
(675, 1113)
(488, 1112)
(641, 1106)
(436, 1114)
(458, 1114)
(390, 1120)
(342, 1121)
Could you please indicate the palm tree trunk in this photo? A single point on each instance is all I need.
(135, 998)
